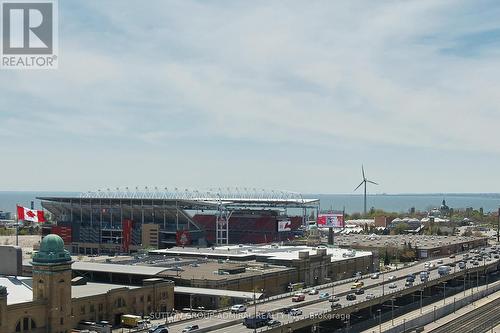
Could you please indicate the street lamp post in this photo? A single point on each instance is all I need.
(421, 296)
(379, 320)
(444, 292)
(255, 311)
(383, 284)
(392, 311)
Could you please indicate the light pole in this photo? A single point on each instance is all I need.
(444, 292)
(477, 280)
(255, 312)
(392, 311)
(421, 296)
(379, 320)
(383, 283)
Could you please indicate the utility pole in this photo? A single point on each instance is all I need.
(498, 226)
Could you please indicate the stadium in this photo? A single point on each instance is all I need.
(123, 221)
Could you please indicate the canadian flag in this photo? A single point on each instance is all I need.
(26, 214)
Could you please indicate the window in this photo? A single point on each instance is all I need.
(82, 309)
(92, 309)
(25, 324)
(100, 307)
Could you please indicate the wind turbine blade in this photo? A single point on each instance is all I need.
(359, 186)
(363, 171)
(369, 181)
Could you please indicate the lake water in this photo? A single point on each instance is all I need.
(351, 202)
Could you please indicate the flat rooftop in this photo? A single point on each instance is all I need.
(117, 268)
(421, 241)
(251, 252)
(92, 289)
(210, 271)
(20, 289)
(217, 292)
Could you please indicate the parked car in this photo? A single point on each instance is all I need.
(238, 308)
(392, 285)
(313, 292)
(295, 312)
(350, 297)
(298, 297)
(190, 328)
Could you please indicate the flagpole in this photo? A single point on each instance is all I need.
(17, 226)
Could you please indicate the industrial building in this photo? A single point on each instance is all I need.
(425, 246)
(124, 221)
(53, 301)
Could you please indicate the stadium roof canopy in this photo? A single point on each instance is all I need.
(240, 197)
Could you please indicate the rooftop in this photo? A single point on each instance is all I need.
(216, 292)
(421, 241)
(92, 289)
(19, 289)
(117, 268)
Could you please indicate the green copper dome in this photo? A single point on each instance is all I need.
(51, 251)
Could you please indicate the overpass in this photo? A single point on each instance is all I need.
(316, 310)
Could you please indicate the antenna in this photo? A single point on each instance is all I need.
(363, 182)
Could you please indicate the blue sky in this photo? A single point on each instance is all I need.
(284, 94)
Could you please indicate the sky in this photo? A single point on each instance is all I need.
(291, 95)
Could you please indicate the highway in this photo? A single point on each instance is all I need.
(323, 306)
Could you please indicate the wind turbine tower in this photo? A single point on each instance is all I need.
(363, 182)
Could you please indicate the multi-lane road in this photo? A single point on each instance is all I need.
(378, 287)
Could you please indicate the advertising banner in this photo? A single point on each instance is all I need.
(284, 226)
(334, 220)
(183, 238)
(127, 234)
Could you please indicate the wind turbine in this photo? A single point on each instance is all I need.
(364, 182)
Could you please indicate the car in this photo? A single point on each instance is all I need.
(359, 291)
(375, 275)
(392, 285)
(461, 264)
(391, 277)
(350, 297)
(190, 328)
(324, 295)
(238, 308)
(410, 278)
(452, 256)
(476, 263)
(286, 310)
(408, 283)
(440, 261)
(334, 299)
(295, 312)
(313, 292)
(162, 330)
(336, 306)
(156, 328)
(496, 256)
(370, 296)
(273, 323)
(452, 264)
(357, 274)
(357, 285)
(298, 297)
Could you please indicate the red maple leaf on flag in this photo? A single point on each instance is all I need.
(30, 214)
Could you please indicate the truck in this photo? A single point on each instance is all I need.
(444, 270)
(129, 320)
(257, 321)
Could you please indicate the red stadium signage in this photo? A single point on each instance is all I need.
(334, 220)
(127, 234)
(284, 226)
(183, 238)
